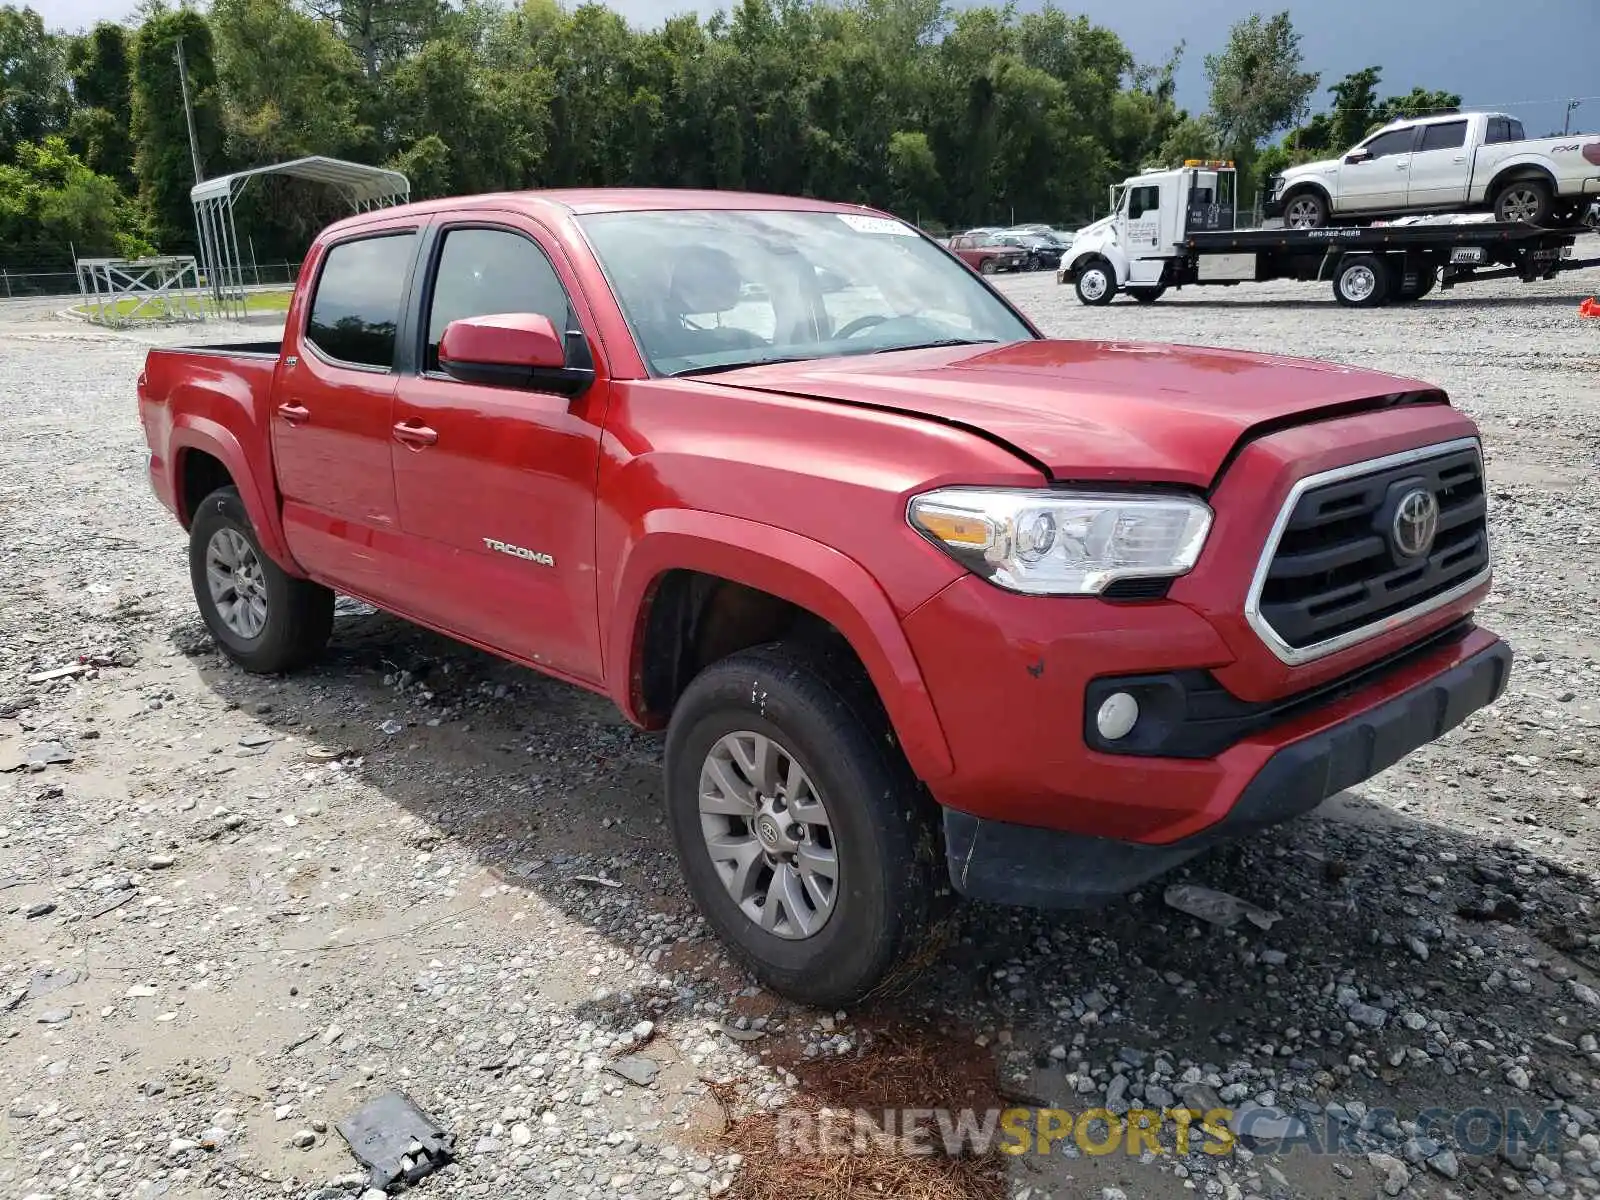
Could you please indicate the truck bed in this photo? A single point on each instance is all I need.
(243, 349)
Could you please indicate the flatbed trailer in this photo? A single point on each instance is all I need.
(1412, 258)
(1173, 229)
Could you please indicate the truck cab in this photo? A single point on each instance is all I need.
(1152, 214)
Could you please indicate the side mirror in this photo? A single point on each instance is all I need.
(1359, 155)
(518, 350)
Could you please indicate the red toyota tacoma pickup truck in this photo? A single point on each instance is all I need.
(920, 597)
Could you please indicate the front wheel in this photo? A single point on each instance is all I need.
(1361, 281)
(987, 267)
(1305, 210)
(800, 830)
(264, 619)
(1097, 283)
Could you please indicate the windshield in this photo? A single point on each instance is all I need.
(714, 289)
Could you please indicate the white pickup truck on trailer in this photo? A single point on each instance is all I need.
(1176, 228)
(1452, 162)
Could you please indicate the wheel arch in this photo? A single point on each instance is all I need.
(1295, 187)
(195, 444)
(1511, 172)
(1114, 255)
(676, 547)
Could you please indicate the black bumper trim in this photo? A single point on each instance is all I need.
(1044, 868)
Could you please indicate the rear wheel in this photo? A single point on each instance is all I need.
(1526, 200)
(1361, 281)
(1097, 282)
(1148, 295)
(800, 829)
(988, 267)
(263, 618)
(1305, 210)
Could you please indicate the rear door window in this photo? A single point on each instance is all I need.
(1447, 135)
(356, 306)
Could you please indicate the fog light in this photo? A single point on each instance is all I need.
(1118, 714)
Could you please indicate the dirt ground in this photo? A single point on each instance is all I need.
(233, 910)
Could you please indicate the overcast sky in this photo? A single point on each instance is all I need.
(1528, 58)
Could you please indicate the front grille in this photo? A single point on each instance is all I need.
(1336, 569)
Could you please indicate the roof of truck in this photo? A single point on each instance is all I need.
(1436, 118)
(580, 201)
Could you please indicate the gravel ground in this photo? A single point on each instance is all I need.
(232, 910)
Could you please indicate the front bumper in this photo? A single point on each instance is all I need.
(1022, 864)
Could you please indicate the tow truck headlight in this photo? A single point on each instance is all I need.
(1048, 543)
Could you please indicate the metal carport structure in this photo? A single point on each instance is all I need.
(361, 186)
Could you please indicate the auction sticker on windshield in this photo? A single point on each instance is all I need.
(876, 225)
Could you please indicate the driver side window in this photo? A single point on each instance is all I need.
(484, 271)
(1144, 200)
(1397, 141)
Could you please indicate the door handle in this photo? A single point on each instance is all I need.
(1459, 158)
(295, 414)
(415, 434)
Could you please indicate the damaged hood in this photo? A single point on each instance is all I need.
(1085, 411)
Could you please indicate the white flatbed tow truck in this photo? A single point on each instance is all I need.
(1176, 228)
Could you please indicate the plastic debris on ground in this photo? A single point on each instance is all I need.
(396, 1141)
(1217, 908)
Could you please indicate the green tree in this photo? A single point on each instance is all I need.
(1190, 137)
(381, 32)
(490, 123)
(33, 94)
(1418, 102)
(289, 85)
(161, 140)
(1257, 86)
(1355, 102)
(913, 175)
(100, 69)
(52, 204)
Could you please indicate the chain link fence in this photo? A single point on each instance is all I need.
(41, 278)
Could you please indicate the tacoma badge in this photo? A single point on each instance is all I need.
(533, 556)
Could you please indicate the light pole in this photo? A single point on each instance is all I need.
(1566, 126)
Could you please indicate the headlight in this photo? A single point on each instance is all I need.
(1063, 543)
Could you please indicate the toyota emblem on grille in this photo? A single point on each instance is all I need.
(1416, 520)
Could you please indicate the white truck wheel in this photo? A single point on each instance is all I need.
(1362, 281)
(1097, 282)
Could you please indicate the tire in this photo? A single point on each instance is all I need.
(1097, 282)
(276, 622)
(880, 826)
(1362, 281)
(987, 266)
(1306, 209)
(1524, 200)
(1148, 295)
